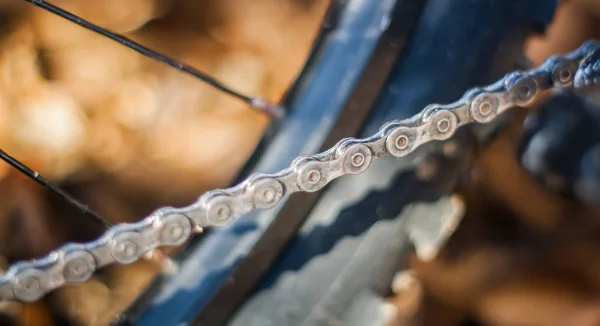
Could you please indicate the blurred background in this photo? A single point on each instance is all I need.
(127, 135)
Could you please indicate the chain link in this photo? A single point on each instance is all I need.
(126, 243)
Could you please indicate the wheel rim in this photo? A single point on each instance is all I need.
(349, 26)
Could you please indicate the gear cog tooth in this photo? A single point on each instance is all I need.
(588, 73)
(590, 45)
(445, 214)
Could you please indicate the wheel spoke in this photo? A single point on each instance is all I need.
(256, 102)
(34, 175)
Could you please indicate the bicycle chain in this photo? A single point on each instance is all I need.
(126, 243)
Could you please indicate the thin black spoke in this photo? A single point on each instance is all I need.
(256, 102)
(44, 182)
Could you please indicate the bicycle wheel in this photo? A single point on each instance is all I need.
(310, 127)
(341, 226)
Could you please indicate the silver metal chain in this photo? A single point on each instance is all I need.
(127, 243)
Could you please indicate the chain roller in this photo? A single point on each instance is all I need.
(126, 243)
